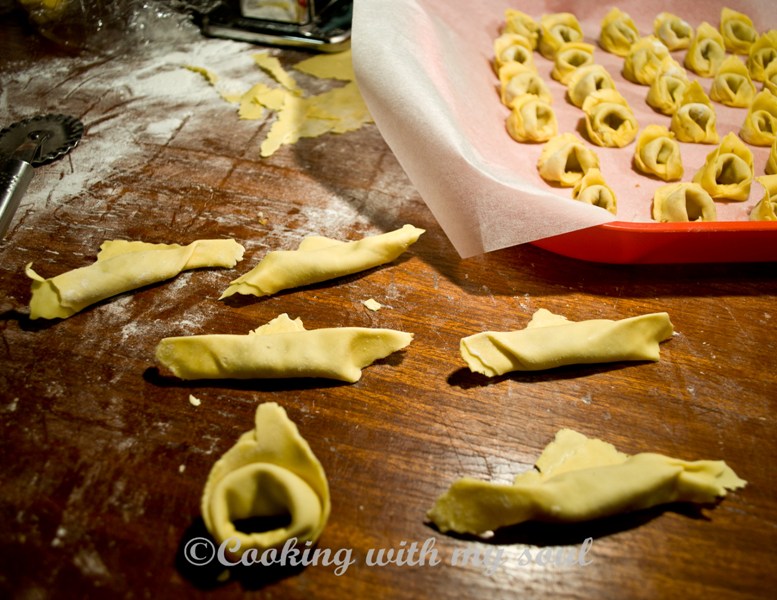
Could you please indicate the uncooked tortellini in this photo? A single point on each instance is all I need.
(658, 153)
(588, 79)
(728, 170)
(732, 85)
(517, 79)
(644, 60)
(569, 58)
(592, 189)
(673, 31)
(618, 32)
(766, 209)
(683, 202)
(666, 92)
(609, 119)
(762, 53)
(511, 47)
(565, 159)
(522, 24)
(770, 77)
(760, 126)
(771, 162)
(531, 120)
(706, 52)
(737, 30)
(556, 30)
(695, 119)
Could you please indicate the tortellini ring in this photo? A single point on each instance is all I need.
(618, 32)
(737, 30)
(732, 85)
(666, 92)
(588, 79)
(728, 170)
(760, 126)
(762, 53)
(556, 30)
(531, 119)
(592, 189)
(569, 58)
(695, 120)
(565, 159)
(766, 209)
(516, 80)
(511, 47)
(658, 153)
(644, 60)
(706, 52)
(683, 202)
(609, 119)
(673, 31)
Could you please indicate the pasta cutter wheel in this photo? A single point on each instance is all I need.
(27, 144)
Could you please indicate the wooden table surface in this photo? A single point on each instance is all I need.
(104, 461)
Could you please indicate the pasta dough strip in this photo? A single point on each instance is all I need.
(281, 349)
(551, 341)
(122, 266)
(579, 479)
(319, 259)
(270, 471)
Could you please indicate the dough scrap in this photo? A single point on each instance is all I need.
(550, 341)
(673, 31)
(122, 266)
(320, 259)
(727, 172)
(683, 202)
(270, 472)
(282, 348)
(577, 479)
(658, 153)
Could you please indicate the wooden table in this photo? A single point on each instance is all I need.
(104, 461)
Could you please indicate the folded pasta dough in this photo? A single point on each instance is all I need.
(666, 91)
(658, 153)
(592, 189)
(695, 120)
(609, 119)
(550, 341)
(280, 349)
(618, 32)
(522, 24)
(728, 170)
(577, 479)
(706, 52)
(122, 266)
(557, 29)
(762, 53)
(737, 30)
(760, 126)
(271, 471)
(674, 32)
(766, 209)
(644, 59)
(770, 77)
(732, 85)
(683, 202)
(320, 259)
(511, 47)
(588, 79)
(771, 161)
(531, 120)
(570, 57)
(564, 159)
(517, 80)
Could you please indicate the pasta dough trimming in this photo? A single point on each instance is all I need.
(658, 153)
(728, 170)
(683, 202)
(282, 348)
(565, 159)
(550, 341)
(271, 471)
(579, 479)
(122, 266)
(320, 259)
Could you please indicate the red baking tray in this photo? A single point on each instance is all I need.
(621, 242)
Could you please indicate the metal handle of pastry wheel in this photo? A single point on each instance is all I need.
(28, 144)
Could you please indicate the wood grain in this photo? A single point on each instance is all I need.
(104, 460)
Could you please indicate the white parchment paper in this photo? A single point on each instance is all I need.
(425, 70)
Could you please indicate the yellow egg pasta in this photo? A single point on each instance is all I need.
(737, 30)
(732, 85)
(706, 52)
(666, 91)
(618, 32)
(727, 172)
(695, 120)
(644, 60)
(760, 126)
(674, 32)
(766, 209)
(587, 79)
(762, 53)
(531, 120)
(557, 29)
(683, 202)
(569, 58)
(565, 159)
(522, 24)
(657, 153)
(609, 120)
(592, 189)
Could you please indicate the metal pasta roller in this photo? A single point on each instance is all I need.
(27, 144)
(323, 25)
